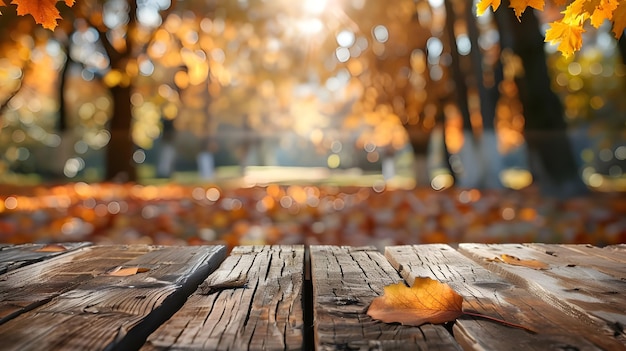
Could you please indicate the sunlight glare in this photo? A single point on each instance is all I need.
(311, 26)
(315, 7)
(345, 38)
(435, 3)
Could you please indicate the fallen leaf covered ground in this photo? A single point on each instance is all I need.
(298, 214)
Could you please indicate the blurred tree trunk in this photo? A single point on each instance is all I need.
(458, 76)
(119, 156)
(478, 163)
(621, 44)
(62, 121)
(551, 158)
(487, 77)
(66, 41)
(10, 20)
(419, 140)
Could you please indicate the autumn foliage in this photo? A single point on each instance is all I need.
(567, 31)
(45, 12)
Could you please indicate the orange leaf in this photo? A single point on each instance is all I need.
(569, 37)
(427, 301)
(512, 260)
(44, 12)
(52, 248)
(520, 6)
(603, 12)
(483, 5)
(619, 19)
(127, 271)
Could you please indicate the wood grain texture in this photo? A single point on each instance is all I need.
(252, 302)
(615, 253)
(345, 281)
(84, 307)
(617, 247)
(487, 293)
(265, 298)
(585, 256)
(16, 256)
(28, 287)
(595, 298)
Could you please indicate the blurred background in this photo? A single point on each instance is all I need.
(317, 121)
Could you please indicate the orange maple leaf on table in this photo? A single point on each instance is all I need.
(427, 301)
(44, 12)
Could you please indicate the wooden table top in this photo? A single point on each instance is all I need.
(79, 296)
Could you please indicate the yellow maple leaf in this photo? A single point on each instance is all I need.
(569, 37)
(483, 5)
(567, 32)
(519, 6)
(619, 19)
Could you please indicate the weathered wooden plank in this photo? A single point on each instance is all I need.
(101, 310)
(488, 294)
(572, 255)
(25, 288)
(592, 296)
(345, 281)
(252, 302)
(615, 253)
(617, 247)
(16, 256)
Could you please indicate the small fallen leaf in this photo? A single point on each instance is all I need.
(515, 261)
(127, 271)
(427, 301)
(52, 248)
